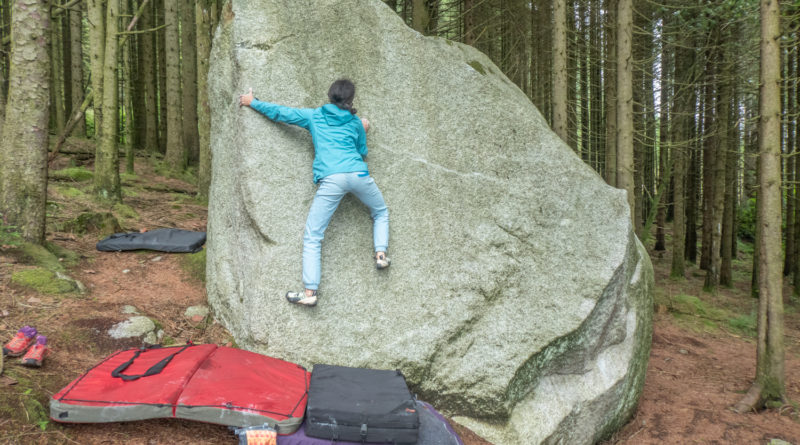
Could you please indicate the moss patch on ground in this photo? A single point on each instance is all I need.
(70, 192)
(195, 265)
(77, 174)
(43, 280)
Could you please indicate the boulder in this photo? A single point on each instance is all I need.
(519, 301)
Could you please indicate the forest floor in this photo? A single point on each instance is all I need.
(702, 360)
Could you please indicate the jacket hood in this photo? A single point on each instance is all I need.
(335, 116)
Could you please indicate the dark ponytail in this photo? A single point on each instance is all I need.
(341, 93)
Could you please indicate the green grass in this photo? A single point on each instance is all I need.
(689, 304)
(744, 324)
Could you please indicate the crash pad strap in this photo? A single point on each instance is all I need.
(155, 369)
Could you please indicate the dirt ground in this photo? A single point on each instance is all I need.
(701, 361)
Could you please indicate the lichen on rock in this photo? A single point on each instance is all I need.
(518, 300)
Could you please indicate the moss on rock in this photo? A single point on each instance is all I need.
(103, 222)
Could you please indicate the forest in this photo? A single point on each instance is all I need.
(691, 106)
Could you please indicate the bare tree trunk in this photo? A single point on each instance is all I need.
(419, 15)
(126, 76)
(76, 69)
(560, 69)
(663, 143)
(106, 164)
(709, 139)
(611, 94)
(469, 22)
(176, 154)
(769, 384)
(693, 187)
(206, 19)
(625, 167)
(189, 79)
(721, 148)
(728, 235)
(96, 17)
(56, 76)
(161, 50)
(148, 70)
(23, 147)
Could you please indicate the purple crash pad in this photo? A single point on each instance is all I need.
(433, 430)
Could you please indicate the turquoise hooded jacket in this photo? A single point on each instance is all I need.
(340, 142)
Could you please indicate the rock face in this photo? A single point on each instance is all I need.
(518, 301)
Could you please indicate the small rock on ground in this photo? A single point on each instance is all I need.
(138, 326)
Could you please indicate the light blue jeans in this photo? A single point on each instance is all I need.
(329, 194)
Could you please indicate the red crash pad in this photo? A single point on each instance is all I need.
(199, 382)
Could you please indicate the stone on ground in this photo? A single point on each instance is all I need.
(519, 300)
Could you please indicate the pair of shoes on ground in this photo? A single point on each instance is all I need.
(21, 344)
(301, 298)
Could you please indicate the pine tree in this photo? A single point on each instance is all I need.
(23, 147)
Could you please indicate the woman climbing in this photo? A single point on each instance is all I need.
(340, 146)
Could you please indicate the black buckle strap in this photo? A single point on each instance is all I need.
(155, 369)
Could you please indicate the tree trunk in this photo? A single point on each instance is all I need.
(769, 384)
(560, 69)
(23, 147)
(161, 50)
(663, 143)
(106, 164)
(206, 19)
(189, 79)
(693, 180)
(176, 154)
(147, 72)
(791, 162)
(709, 140)
(611, 94)
(56, 76)
(126, 63)
(728, 235)
(721, 147)
(419, 15)
(96, 17)
(469, 22)
(625, 168)
(76, 69)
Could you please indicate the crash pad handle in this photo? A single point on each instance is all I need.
(155, 369)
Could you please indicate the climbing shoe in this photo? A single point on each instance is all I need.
(382, 261)
(301, 298)
(21, 342)
(37, 353)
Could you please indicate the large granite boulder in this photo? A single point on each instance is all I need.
(519, 300)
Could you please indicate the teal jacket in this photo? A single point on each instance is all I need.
(340, 142)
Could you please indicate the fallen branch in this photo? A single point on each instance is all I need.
(73, 121)
(750, 401)
(167, 189)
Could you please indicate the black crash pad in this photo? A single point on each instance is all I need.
(163, 240)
